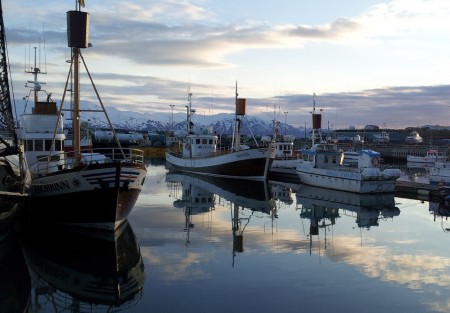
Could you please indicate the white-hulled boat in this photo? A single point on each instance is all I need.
(440, 174)
(200, 155)
(286, 159)
(431, 156)
(90, 188)
(382, 137)
(414, 137)
(322, 166)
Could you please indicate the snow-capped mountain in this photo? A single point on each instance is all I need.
(153, 122)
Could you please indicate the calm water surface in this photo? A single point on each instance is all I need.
(205, 248)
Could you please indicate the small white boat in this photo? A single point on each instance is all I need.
(200, 155)
(432, 156)
(413, 138)
(382, 137)
(322, 166)
(286, 159)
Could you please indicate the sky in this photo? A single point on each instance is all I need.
(364, 62)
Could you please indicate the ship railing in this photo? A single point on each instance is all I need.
(221, 151)
(67, 160)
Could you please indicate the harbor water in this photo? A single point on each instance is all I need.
(206, 245)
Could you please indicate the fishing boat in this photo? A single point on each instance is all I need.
(431, 156)
(90, 188)
(322, 165)
(286, 159)
(414, 137)
(14, 176)
(382, 137)
(199, 152)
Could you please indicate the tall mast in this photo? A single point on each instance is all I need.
(313, 114)
(77, 38)
(237, 135)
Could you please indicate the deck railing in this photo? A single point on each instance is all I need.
(71, 159)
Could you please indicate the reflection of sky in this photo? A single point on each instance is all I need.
(404, 260)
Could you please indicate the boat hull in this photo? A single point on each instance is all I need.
(99, 196)
(345, 181)
(250, 164)
(440, 175)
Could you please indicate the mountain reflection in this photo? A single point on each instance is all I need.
(77, 270)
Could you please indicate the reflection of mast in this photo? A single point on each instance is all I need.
(316, 214)
(238, 230)
(194, 200)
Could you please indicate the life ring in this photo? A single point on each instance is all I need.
(8, 180)
(434, 171)
(375, 162)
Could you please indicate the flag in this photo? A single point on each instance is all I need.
(81, 3)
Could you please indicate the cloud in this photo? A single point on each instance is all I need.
(353, 63)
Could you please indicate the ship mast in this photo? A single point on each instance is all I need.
(78, 31)
(77, 38)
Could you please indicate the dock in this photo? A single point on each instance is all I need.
(420, 191)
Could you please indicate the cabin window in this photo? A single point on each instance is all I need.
(204, 141)
(210, 141)
(197, 141)
(38, 145)
(29, 145)
(48, 145)
(59, 145)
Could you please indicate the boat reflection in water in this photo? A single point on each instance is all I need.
(15, 279)
(441, 211)
(323, 207)
(201, 193)
(282, 192)
(79, 270)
